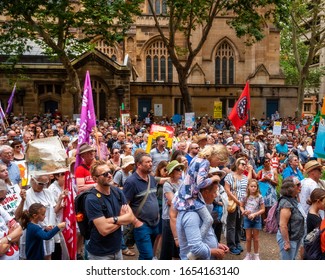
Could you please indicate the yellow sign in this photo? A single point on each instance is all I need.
(217, 110)
(154, 136)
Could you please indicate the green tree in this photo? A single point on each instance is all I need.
(302, 38)
(246, 17)
(50, 25)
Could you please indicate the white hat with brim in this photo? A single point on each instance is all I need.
(217, 171)
(126, 161)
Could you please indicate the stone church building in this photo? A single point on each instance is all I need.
(139, 73)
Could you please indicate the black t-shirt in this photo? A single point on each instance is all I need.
(313, 221)
(110, 244)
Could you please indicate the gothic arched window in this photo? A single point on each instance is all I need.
(159, 66)
(225, 65)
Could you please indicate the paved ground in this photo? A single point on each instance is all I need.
(269, 249)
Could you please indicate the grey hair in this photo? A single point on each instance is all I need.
(5, 148)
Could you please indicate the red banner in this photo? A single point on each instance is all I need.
(70, 231)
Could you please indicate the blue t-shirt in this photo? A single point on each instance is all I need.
(281, 148)
(111, 243)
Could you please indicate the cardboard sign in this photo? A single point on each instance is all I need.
(46, 156)
(159, 130)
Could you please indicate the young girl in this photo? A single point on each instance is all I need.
(35, 235)
(317, 203)
(188, 197)
(252, 207)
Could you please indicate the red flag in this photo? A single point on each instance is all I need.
(239, 114)
(70, 231)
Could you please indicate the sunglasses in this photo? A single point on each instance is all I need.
(178, 169)
(2, 199)
(18, 146)
(106, 174)
(116, 153)
(61, 174)
(242, 163)
(40, 183)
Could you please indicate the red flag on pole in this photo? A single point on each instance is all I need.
(239, 114)
(70, 231)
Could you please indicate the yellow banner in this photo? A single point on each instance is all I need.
(217, 110)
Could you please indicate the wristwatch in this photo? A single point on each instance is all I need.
(9, 238)
(115, 219)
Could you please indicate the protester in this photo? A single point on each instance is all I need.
(189, 236)
(235, 187)
(6, 156)
(293, 168)
(196, 178)
(169, 250)
(106, 235)
(140, 191)
(312, 181)
(291, 221)
(38, 193)
(316, 202)
(268, 180)
(10, 231)
(35, 235)
(83, 178)
(159, 153)
(252, 208)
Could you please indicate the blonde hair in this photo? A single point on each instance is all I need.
(218, 150)
(258, 188)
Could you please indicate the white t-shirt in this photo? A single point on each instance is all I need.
(307, 186)
(5, 219)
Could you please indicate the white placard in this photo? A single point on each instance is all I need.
(158, 110)
(189, 119)
(277, 127)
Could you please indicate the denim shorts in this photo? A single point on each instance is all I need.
(256, 223)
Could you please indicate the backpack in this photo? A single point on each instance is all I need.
(312, 245)
(81, 216)
(271, 221)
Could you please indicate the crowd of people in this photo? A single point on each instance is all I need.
(170, 200)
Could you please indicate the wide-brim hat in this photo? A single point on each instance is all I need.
(172, 165)
(84, 148)
(229, 140)
(126, 161)
(200, 137)
(311, 165)
(260, 134)
(217, 171)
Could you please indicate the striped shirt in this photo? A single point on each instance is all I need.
(241, 185)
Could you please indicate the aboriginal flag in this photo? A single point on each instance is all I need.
(239, 114)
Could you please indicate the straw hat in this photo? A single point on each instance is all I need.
(311, 165)
(172, 165)
(260, 134)
(217, 171)
(247, 142)
(84, 148)
(126, 161)
(200, 138)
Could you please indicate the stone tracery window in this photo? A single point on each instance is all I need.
(225, 65)
(159, 67)
(108, 50)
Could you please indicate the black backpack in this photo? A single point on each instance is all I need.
(79, 204)
(312, 245)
